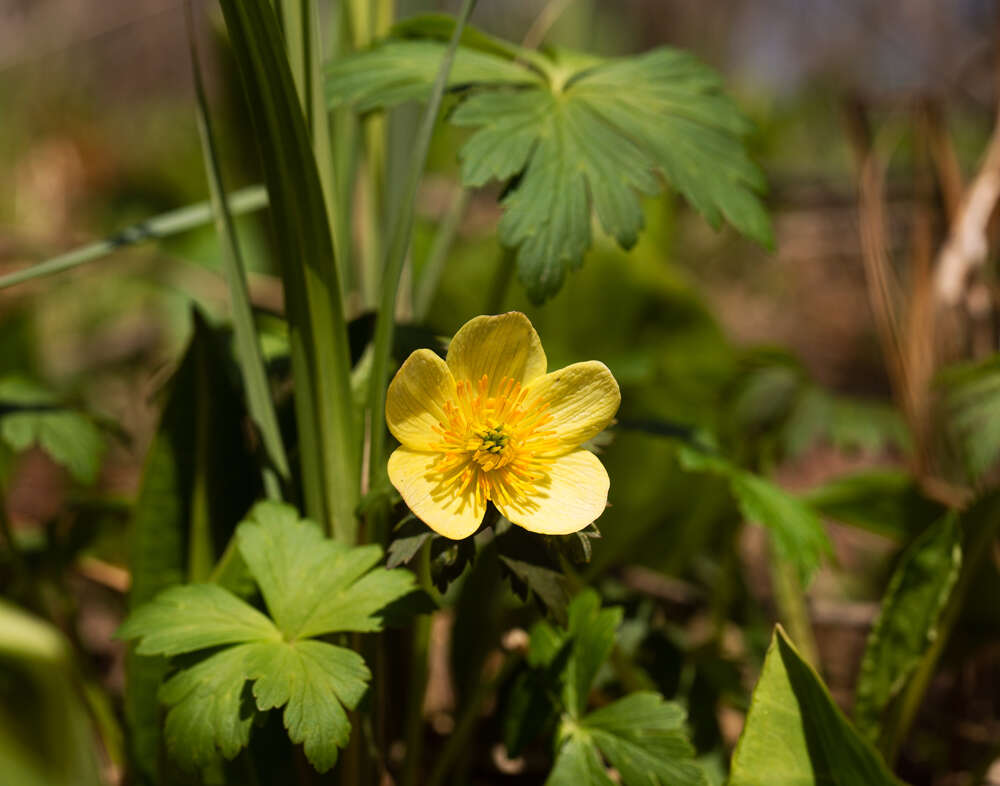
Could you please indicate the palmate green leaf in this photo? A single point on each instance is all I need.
(643, 737)
(311, 586)
(796, 736)
(30, 415)
(578, 762)
(192, 617)
(912, 608)
(796, 531)
(591, 134)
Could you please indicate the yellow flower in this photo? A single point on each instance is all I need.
(489, 424)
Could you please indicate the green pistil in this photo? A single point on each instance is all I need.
(494, 440)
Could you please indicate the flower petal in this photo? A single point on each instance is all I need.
(414, 403)
(571, 496)
(582, 400)
(499, 347)
(413, 474)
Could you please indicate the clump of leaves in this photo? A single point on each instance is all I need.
(641, 735)
(31, 415)
(312, 586)
(569, 132)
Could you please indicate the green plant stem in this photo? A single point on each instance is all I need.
(251, 360)
(414, 729)
(245, 200)
(986, 516)
(458, 742)
(430, 276)
(792, 609)
(402, 229)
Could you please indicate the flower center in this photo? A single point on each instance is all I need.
(494, 446)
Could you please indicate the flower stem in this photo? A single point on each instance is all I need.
(418, 675)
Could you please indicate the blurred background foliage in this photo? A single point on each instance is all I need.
(780, 356)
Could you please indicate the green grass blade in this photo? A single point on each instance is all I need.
(247, 344)
(246, 200)
(321, 364)
(399, 242)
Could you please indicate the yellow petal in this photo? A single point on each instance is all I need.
(572, 495)
(499, 347)
(581, 401)
(412, 473)
(414, 403)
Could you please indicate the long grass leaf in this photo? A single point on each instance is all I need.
(399, 242)
(328, 433)
(247, 344)
(245, 200)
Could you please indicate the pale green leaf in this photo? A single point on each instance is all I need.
(314, 682)
(644, 739)
(192, 617)
(578, 763)
(908, 622)
(796, 736)
(313, 585)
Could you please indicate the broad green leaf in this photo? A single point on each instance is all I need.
(971, 401)
(313, 585)
(644, 739)
(193, 617)
(796, 531)
(887, 501)
(796, 736)
(578, 762)
(194, 488)
(550, 586)
(329, 436)
(591, 135)
(908, 622)
(314, 682)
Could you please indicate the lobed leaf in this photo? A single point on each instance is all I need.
(578, 762)
(192, 617)
(313, 585)
(574, 134)
(644, 739)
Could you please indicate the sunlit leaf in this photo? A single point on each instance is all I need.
(590, 134)
(796, 736)
(311, 586)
